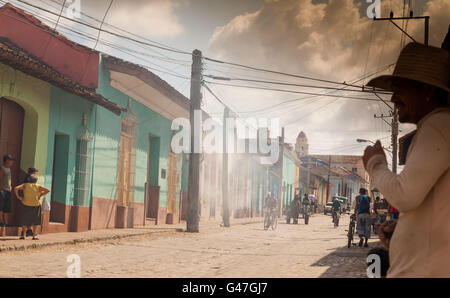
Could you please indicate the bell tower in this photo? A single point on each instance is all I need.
(301, 145)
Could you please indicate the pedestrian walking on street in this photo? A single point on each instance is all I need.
(31, 205)
(5, 191)
(420, 243)
(363, 220)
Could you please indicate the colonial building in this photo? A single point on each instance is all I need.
(101, 147)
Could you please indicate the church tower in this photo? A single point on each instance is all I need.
(301, 145)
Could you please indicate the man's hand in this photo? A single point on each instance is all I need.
(371, 151)
(385, 232)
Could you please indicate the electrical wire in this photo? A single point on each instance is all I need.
(101, 25)
(292, 84)
(292, 91)
(110, 32)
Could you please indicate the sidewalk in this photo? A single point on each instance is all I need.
(10, 243)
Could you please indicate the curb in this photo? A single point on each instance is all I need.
(38, 245)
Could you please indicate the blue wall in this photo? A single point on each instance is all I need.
(66, 119)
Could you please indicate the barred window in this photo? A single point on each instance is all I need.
(83, 170)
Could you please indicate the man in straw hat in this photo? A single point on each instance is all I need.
(420, 243)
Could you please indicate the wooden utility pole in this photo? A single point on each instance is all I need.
(328, 178)
(308, 178)
(193, 199)
(280, 182)
(411, 17)
(225, 207)
(394, 140)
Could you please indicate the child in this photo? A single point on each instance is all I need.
(31, 205)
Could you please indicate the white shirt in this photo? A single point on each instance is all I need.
(420, 245)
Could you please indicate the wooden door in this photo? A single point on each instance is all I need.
(11, 130)
(172, 184)
(123, 183)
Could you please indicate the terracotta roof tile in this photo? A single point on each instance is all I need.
(12, 55)
(38, 23)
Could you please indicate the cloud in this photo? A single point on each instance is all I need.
(334, 41)
(155, 18)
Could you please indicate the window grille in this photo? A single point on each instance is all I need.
(83, 167)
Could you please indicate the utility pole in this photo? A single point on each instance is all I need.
(411, 17)
(308, 178)
(394, 134)
(328, 179)
(280, 158)
(394, 140)
(225, 207)
(193, 199)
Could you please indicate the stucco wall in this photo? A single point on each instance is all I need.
(150, 124)
(288, 179)
(66, 118)
(34, 96)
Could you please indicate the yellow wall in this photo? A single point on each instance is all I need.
(34, 96)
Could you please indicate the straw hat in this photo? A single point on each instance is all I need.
(421, 63)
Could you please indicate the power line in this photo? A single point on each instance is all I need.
(292, 91)
(109, 32)
(309, 97)
(272, 71)
(292, 84)
(101, 25)
(184, 52)
(162, 56)
(119, 48)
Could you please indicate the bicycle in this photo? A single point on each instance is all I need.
(270, 220)
(306, 213)
(351, 230)
(335, 219)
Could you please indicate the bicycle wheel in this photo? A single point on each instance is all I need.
(274, 222)
(266, 222)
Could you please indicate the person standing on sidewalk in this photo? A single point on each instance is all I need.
(420, 241)
(31, 205)
(363, 220)
(5, 191)
(31, 171)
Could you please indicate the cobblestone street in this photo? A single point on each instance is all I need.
(314, 250)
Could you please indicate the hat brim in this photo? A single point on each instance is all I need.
(385, 82)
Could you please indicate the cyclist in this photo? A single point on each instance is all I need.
(270, 205)
(335, 209)
(271, 202)
(306, 202)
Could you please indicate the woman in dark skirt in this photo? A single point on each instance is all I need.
(31, 205)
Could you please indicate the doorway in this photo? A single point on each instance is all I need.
(59, 178)
(171, 188)
(11, 131)
(152, 200)
(123, 180)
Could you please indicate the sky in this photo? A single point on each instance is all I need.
(326, 39)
